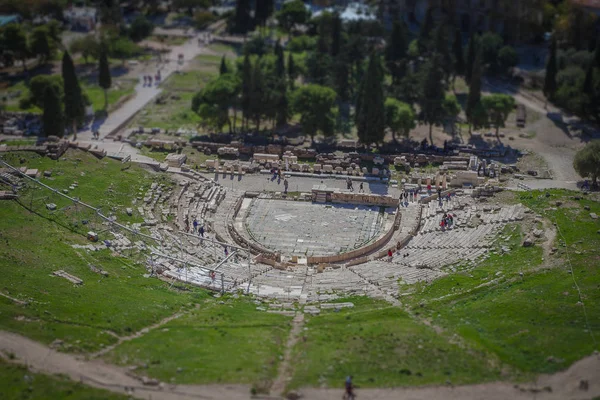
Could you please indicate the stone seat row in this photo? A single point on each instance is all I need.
(455, 238)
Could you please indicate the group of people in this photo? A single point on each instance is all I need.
(148, 79)
(200, 229)
(350, 186)
(447, 221)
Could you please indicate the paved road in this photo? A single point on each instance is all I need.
(144, 94)
(263, 182)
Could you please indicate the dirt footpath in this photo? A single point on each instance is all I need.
(39, 358)
(560, 386)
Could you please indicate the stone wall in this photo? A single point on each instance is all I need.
(363, 198)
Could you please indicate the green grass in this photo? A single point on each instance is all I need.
(19, 142)
(17, 383)
(228, 343)
(179, 89)
(175, 114)
(532, 323)
(381, 346)
(96, 94)
(169, 40)
(32, 247)
(190, 81)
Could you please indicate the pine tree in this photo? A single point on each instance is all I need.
(223, 68)
(74, 105)
(336, 35)
(551, 70)
(471, 55)
(52, 118)
(370, 118)
(246, 91)
(291, 71)
(395, 50)
(433, 93)
(474, 97)
(104, 79)
(459, 58)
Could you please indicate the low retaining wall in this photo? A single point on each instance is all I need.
(253, 246)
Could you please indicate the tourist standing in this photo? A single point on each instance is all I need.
(201, 231)
(285, 185)
(195, 224)
(390, 255)
(361, 188)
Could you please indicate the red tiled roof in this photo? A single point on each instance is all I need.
(587, 3)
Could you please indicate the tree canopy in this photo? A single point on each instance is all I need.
(551, 71)
(497, 108)
(370, 109)
(104, 79)
(52, 119)
(291, 14)
(432, 94)
(587, 161)
(73, 97)
(316, 106)
(213, 102)
(399, 117)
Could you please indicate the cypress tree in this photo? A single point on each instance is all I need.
(246, 91)
(551, 70)
(260, 12)
(588, 83)
(341, 77)
(74, 105)
(471, 55)
(322, 40)
(426, 28)
(336, 35)
(280, 62)
(474, 97)
(291, 71)
(459, 58)
(395, 50)
(433, 93)
(441, 47)
(370, 119)
(223, 68)
(104, 79)
(52, 118)
(241, 20)
(281, 106)
(257, 94)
